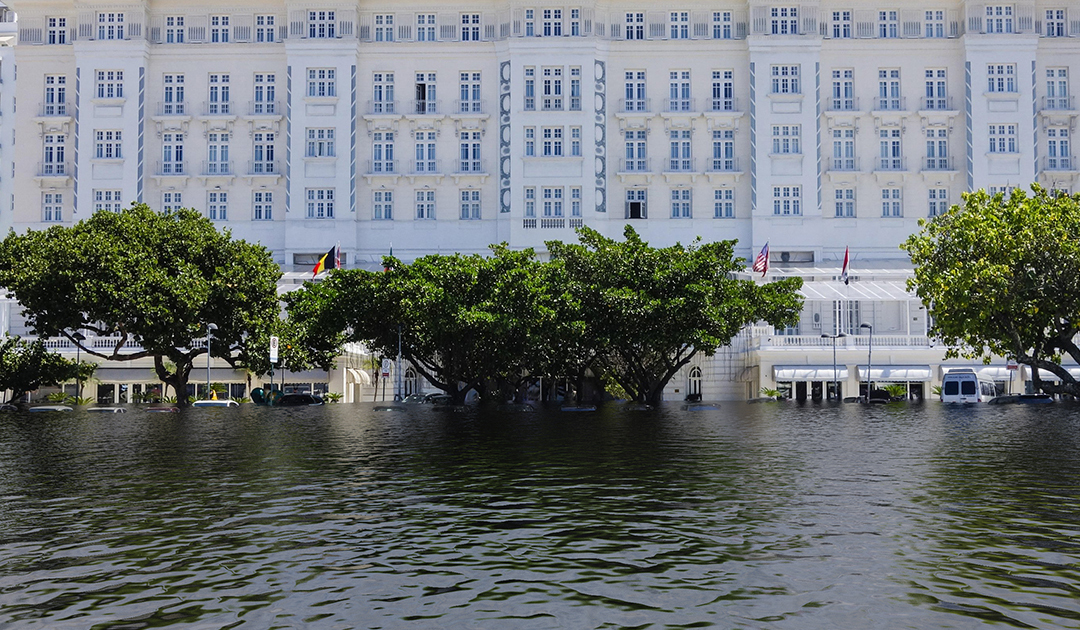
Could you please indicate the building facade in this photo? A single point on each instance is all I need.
(438, 127)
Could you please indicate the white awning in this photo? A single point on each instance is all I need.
(359, 376)
(995, 372)
(809, 372)
(895, 290)
(1047, 375)
(896, 373)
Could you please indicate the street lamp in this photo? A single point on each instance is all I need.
(79, 338)
(869, 361)
(209, 329)
(835, 376)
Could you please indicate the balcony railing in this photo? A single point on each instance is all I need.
(724, 105)
(425, 107)
(845, 164)
(264, 108)
(849, 104)
(640, 165)
(678, 104)
(466, 167)
(54, 109)
(938, 164)
(850, 341)
(426, 167)
(470, 107)
(171, 168)
(680, 165)
(217, 168)
(635, 106)
(937, 103)
(217, 108)
(724, 165)
(552, 223)
(173, 109)
(1063, 163)
(264, 167)
(382, 107)
(1058, 103)
(382, 167)
(892, 164)
(54, 169)
(890, 104)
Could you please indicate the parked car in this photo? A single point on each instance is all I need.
(438, 399)
(215, 403)
(415, 399)
(107, 410)
(963, 385)
(43, 408)
(299, 400)
(162, 410)
(8, 407)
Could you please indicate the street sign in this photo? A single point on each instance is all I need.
(1011, 365)
(386, 363)
(273, 350)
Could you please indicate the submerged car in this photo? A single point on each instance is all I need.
(43, 408)
(215, 403)
(298, 400)
(107, 410)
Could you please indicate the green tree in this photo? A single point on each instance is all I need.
(25, 367)
(150, 280)
(1001, 276)
(648, 311)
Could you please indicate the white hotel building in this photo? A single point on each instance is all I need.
(444, 127)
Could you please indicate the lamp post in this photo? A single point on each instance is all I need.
(869, 360)
(835, 376)
(79, 338)
(209, 329)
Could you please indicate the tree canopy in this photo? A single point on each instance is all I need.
(151, 280)
(27, 366)
(1001, 276)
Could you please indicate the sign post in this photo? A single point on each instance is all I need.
(1012, 367)
(273, 359)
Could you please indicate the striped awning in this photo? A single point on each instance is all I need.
(896, 373)
(809, 372)
(895, 290)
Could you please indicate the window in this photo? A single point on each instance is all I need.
(219, 29)
(843, 90)
(636, 151)
(425, 93)
(637, 203)
(55, 95)
(785, 80)
(217, 205)
(320, 142)
(171, 201)
(530, 89)
(575, 141)
(217, 154)
(934, 24)
(382, 152)
(469, 152)
(320, 203)
(106, 200)
(552, 141)
(264, 29)
(265, 94)
(52, 207)
(382, 93)
(575, 202)
(108, 144)
(1002, 190)
(888, 24)
(721, 25)
(1054, 25)
(321, 25)
(530, 23)
(723, 150)
(937, 149)
(636, 99)
(470, 27)
(939, 201)
(219, 102)
(110, 26)
(679, 91)
(844, 203)
(110, 84)
(383, 205)
(635, 26)
(936, 90)
(575, 22)
(57, 33)
(263, 206)
(425, 152)
(469, 90)
(470, 204)
(843, 151)
(723, 203)
(999, 19)
(1003, 139)
(1057, 88)
(680, 203)
(575, 89)
(425, 205)
(784, 20)
(1001, 77)
(723, 90)
(172, 154)
(891, 157)
(787, 200)
(530, 141)
(425, 27)
(552, 23)
(553, 89)
(1057, 149)
(384, 27)
(892, 204)
(173, 95)
(841, 24)
(679, 25)
(54, 154)
(679, 156)
(889, 95)
(321, 82)
(785, 139)
(530, 202)
(553, 201)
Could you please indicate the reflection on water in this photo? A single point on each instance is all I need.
(750, 516)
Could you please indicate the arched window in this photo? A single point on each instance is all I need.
(410, 381)
(693, 385)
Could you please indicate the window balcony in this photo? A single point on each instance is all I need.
(382, 167)
(53, 169)
(638, 165)
(49, 110)
(680, 165)
(724, 165)
(678, 105)
(426, 167)
(264, 167)
(635, 106)
(1063, 163)
(938, 164)
(1058, 103)
(890, 104)
(219, 168)
(937, 103)
(850, 104)
(217, 108)
(724, 105)
(425, 108)
(470, 107)
(844, 164)
(470, 167)
(173, 109)
(380, 108)
(264, 108)
(171, 169)
(892, 164)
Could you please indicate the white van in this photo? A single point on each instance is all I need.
(963, 385)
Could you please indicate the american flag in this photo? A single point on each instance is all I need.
(761, 263)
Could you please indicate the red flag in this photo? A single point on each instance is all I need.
(761, 263)
(843, 272)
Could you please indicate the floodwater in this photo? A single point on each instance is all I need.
(750, 516)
